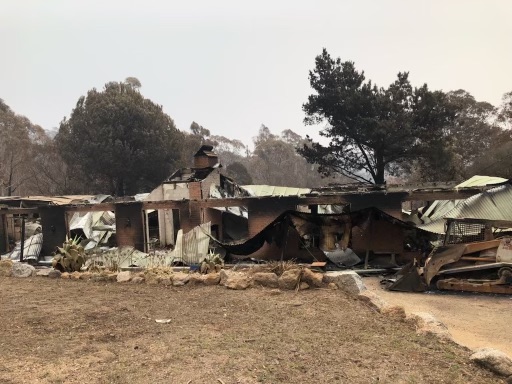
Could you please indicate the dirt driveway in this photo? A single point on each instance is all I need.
(474, 320)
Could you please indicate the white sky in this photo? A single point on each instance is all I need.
(233, 65)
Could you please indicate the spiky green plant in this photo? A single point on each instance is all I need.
(70, 257)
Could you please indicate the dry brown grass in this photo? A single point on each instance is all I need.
(64, 331)
(277, 267)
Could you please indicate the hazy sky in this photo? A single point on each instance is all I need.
(234, 65)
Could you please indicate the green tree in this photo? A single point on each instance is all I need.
(275, 161)
(133, 82)
(505, 111)
(119, 141)
(19, 137)
(474, 130)
(370, 130)
(238, 172)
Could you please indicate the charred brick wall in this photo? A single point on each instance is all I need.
(215, 216)
(129, 225)
(380, 236)
(292, 248)
(262, 213)
(391, 204)
(53, 221)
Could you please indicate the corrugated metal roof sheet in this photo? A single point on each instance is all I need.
(31, 248)
(481, 181)
(439, 208)
(493, 204)
(57, 200)
(272, 190)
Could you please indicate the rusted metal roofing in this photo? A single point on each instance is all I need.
(272, 190)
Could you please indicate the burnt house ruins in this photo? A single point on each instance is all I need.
(200, 202)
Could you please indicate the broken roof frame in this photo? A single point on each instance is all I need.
(315, 198)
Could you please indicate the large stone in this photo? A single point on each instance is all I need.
(289, 279)
(314, 279)
(124, 277)
(195, 279)
(180, 278)
(494, 360)
(43, 272)
(211, 279)
(266, 279)
(238, 282)
(427, 323)
(234, 280)
(98, 278)
(65, 275)
(303, 286)
(54, 274)
(6, 268)
(372, 300)
(23, 270)
(224, 274)
(347, 281)
(206, 279)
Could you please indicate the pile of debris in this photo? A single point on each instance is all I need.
(476, 256)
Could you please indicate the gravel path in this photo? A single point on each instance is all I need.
(474, 320)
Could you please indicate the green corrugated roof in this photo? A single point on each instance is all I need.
(481, 181)
(272, 190)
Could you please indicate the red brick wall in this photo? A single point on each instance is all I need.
(262, 214)
(194, 190)
(205, 161)
(215, 216)
(190, 216)
(129, 225)
(380, 236)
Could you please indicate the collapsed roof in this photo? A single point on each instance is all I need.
(493, 204)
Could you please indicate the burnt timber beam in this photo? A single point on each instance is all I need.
(18, 211)
(430, 195)
(90, 207)
(164, 204)
(298, 200)
(335, 198)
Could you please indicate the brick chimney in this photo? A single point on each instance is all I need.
(205, 157)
